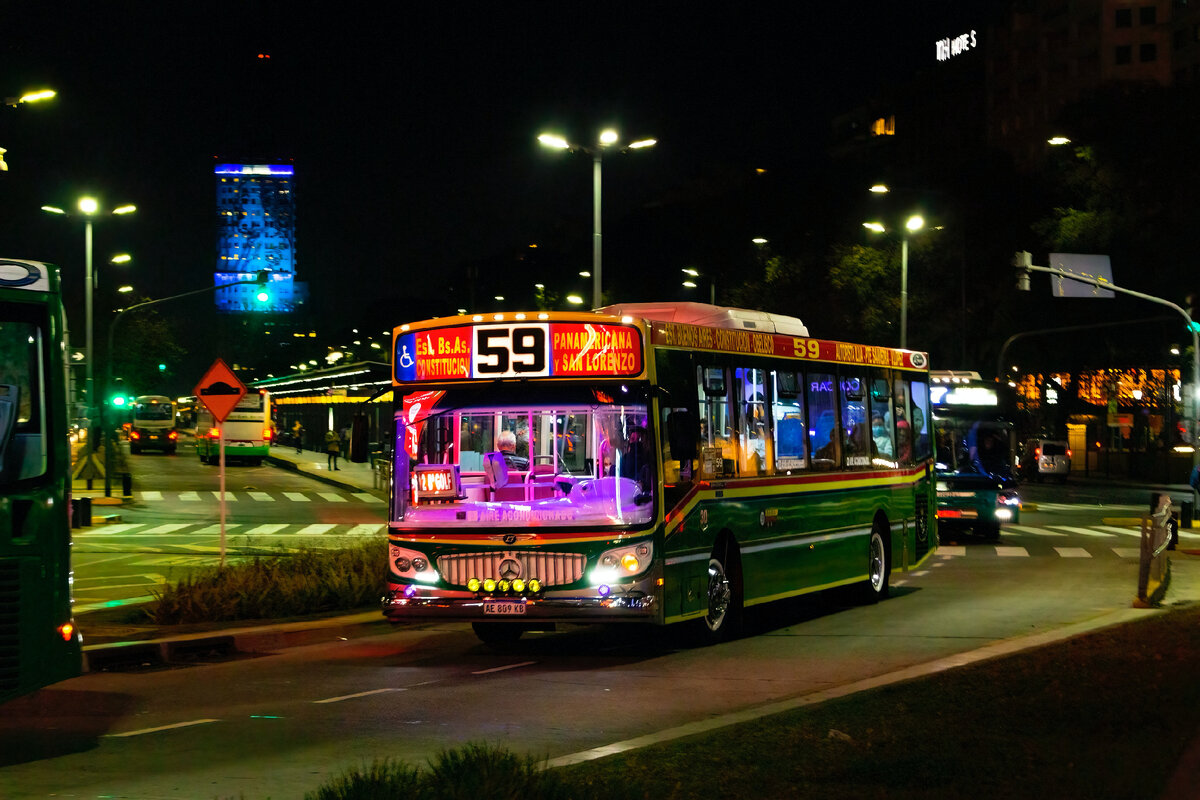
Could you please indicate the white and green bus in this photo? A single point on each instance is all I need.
(650, 463)
(248, 430)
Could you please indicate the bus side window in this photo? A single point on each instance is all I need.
(718, 451)
(882, 417)
(823, 425)
(787, 409)
(856, 442)
(752, 438)
(920, 419)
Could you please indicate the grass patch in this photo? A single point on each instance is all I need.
(308, 581)
(1105, 715)
(472, 772)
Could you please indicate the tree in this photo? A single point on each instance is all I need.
(142, 341)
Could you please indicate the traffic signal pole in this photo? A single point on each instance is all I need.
(1023, 261)
(259, 280)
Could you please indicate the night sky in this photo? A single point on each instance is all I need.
(411, 128)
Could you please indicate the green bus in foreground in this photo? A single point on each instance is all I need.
(648, 463)
(39, 644)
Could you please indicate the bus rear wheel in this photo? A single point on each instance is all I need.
(723, 621)
(497, 633)
(875, 588)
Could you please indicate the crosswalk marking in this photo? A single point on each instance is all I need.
(366, 529)
(193, 496)
(1073, 552)
(332, 497)
(262, 496)
(268, 528)
(170, 527)
(1009, 552)
(1084, 531)
(211, 529)
(152, 495)
(229, 496)
(1128, 552)
(298, 497)
(316, 529)
(189, 497)
(367, 497)
(1034, 531)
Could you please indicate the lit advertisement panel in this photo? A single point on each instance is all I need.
(518, 350)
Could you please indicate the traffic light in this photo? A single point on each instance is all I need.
(162, 367)
(262, 293)
(116, 393)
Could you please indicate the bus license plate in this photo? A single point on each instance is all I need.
(504, 608)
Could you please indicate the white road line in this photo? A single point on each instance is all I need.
(366, 529)
(120, 527)
(1009, 552)
(230, 497)
(1073, 552)
(209, 530)
(1034, 531)
(316, 529)
(1122, 531)
(367, 497)
(952, 550)
(151, 495)
(262, 497)
(298, 497)
(1128, 552)
(273, 527)
(358, 694)
(160, 728)
(1084, 531)
(333, 497)
(501, 669)
(189, 497)
(170, 527)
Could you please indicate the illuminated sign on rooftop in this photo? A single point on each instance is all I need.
(253, 169)
(948, 48)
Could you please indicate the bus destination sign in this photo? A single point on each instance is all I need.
(679, 334)
(518, 350)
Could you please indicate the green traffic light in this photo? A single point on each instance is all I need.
(118, 401)
(263, 297)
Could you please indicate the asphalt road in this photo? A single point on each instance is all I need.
(279, 724)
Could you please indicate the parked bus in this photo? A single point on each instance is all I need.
(39, 644)
(974, 456)
(649, 463)
(153, 426)
(248, 430)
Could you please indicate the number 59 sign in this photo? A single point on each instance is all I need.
(512, 351)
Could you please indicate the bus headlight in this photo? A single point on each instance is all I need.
(623, 562)
(411, 564)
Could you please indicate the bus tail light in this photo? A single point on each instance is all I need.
(67, 630)
(173, 435)
(214, 433)
(134, 435)
(267, 435)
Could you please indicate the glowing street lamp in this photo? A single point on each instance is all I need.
(88, 208)
(911, 225)
(608, 138)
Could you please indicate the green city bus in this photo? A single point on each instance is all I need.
(648, 463)
(39, 644)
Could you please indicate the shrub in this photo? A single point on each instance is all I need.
(307, 581)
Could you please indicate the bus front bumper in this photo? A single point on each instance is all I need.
(629, 602)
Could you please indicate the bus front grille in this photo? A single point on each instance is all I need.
(552, 569)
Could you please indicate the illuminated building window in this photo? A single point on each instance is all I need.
(884, 126)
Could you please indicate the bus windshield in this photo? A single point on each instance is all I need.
(153, 411)
(567, 458)
(974, 447)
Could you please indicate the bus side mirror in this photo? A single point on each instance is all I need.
(682, 434)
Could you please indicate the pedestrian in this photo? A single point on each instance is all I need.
(333, 448)
(298, 436)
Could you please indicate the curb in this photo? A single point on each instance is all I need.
(275, 461)
(192, 647)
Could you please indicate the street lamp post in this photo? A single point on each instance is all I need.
(911, 225)
(608, 138)
(88, 207)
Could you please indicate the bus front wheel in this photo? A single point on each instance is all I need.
(723, 620)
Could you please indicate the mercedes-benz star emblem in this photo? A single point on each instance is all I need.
(510, 568)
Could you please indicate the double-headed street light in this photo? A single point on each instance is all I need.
(608, 138)
(690, 283)
(911, 225)
(88, 208)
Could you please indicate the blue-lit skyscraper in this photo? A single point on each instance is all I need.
(256, 230)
